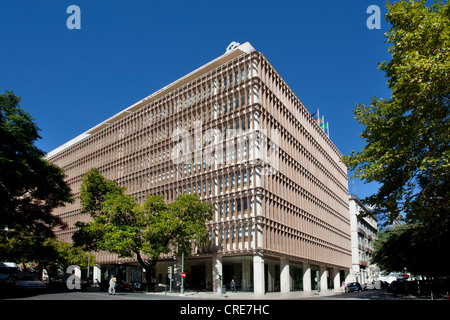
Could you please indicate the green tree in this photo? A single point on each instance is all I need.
(407, 136)
(94, 188)
(186, 213)
(143, 231)
(30, 186)
(408, 246)
(68, 254)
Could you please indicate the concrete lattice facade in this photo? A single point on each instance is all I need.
(270, 230)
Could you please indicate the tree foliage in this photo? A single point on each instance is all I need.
(30, 186)
(408, 246)
(407, 136)
(143, 231)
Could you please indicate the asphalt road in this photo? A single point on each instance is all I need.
(101, 295)
(197, 305)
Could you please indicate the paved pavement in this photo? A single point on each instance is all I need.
(252, 296)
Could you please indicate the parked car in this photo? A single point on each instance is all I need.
(60, 282)
(397, 286)
(7, 269)
(353, 286)
(370, 286)
(26, 281)
(123, 286)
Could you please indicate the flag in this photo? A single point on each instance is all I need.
(322, 124)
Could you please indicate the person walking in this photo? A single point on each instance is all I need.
(233, 286)
(112, 285)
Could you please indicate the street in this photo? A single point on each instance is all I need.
(196, 295)
(213, 305)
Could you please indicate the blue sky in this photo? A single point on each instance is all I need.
(71, 80)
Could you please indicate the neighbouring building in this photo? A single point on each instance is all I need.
(233, 132)
(364, 228)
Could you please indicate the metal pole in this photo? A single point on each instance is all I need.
(89, 267)
(182, 270)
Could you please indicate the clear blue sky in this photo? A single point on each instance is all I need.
(71, 80)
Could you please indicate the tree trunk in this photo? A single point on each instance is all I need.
(149, 266)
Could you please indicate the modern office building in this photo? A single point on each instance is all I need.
(233, 132)
(364, 227)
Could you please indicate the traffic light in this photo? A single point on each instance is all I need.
(169, 270)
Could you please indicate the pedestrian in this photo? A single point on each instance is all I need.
(233, 286)
(112, 285)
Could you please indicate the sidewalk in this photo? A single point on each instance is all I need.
(250, 295)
